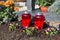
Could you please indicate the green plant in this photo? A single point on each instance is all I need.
(7, 13)
(44, 2)
(51, 31)
(29, 31)
(12, 27)
(1, 22)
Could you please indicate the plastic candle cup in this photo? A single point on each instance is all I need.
(26, 19)
(39, 21)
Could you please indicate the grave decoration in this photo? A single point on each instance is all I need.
(44, 4)
(8, 14)
(30, 31)
(8, 11)
(52, 30)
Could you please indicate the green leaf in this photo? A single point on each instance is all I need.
(52, 34)
(28, 32)
(55, 32)
(12, 27)
(44, 2)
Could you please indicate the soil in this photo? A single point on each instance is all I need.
(5, 34)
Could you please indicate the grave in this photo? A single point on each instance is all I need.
(52, 17)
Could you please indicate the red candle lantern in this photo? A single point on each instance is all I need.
(39, 21)
(26, 19)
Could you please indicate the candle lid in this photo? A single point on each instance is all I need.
(27, 12)
(39, 13)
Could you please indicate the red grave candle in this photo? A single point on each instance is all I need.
(26, 19)
(39, 21)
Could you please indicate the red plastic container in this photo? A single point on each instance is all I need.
(26, 19)
(39, 21)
